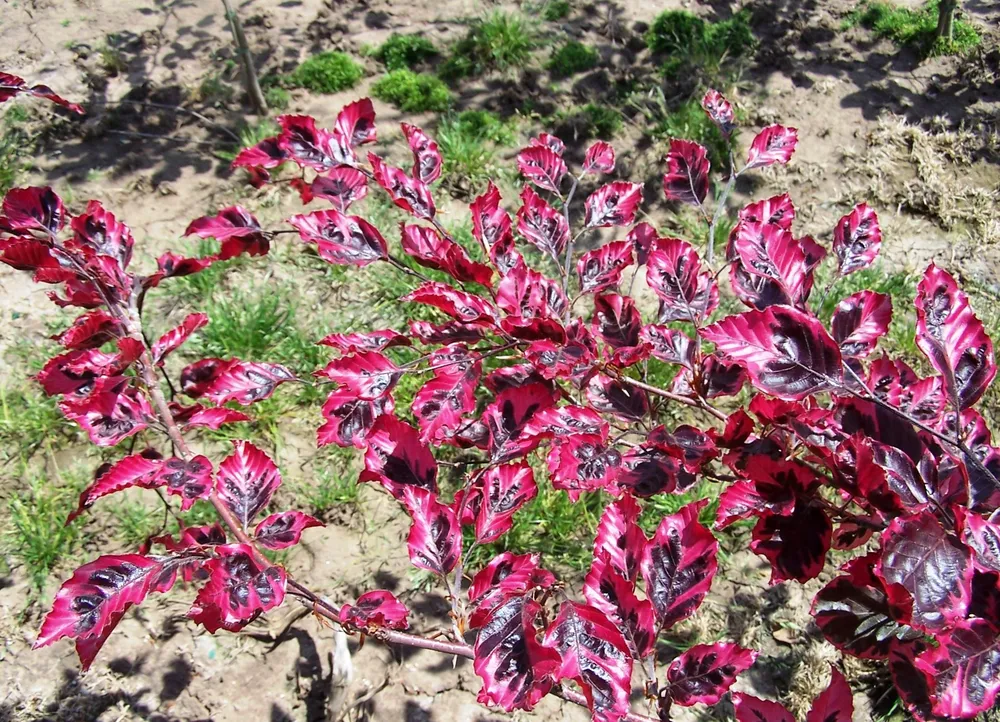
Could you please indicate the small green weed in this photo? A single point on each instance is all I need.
(499, 43)
(277, 98)
(914, 27)
(697, 53)
(401, 52)
(215, 91)
(413, 92)
(590, 121)
(36, 534)
(555, 10)
(15, 147)
(329, 72)
(571, 58)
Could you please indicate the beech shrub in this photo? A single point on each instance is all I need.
(835, 446)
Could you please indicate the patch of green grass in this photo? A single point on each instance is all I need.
(329, 72)
(277, 98)
(915, 27)
(111, 59)
(135, 522)
(36, 535)
(467, 142)
(681, 33)
(257, 324)
(15, 147)
(498, 43)
(571, 58)
(404, 51)
(28, 418)
(589, 121)
(690, 122)
(555, 10)
(332, 488)
(413, 92)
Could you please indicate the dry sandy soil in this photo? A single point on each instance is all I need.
(850, 96)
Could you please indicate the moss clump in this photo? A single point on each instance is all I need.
(401, 52)
(413, 92)
(688, 40)
(327, 73)
(555, 10)
(573, 57)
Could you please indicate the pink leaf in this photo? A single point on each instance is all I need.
(111, 412)
(720, 111)
(769, 251)
(191, 479)
(777, 210)
(668, 344)
(983, 537)
(232, 222)
(751, 709)
(136, 470)
(517, 671)
(91, 603)
(686, 179)
(440, 404)
(600, 158)
(963, 669)
(835, 703)
(582, 462)
(859, 321)
(547, 140)
(490, 223)
(429, 248)
(92, 329)
(503, 490)
(12, 85)
(284, 529)
(448, 332)
(593, 652)
(705, 672)
(364, 341)
(410, 194)
(246, 382)
(675, 274)
(601, 268)
(238, 590)
(796, 545)
(608, 396)
(427, 160)
(613, 204)
(397, 458)
(30, 209)
(932, 565)
(98, 231)
(435, 540)
(619, 538)
(678, 564)
(172, 340)
(246, 481)
(614, 595)
(349, 419)
(542, 166)
(356, 123)
(857, 239)
(312, 147)
(373, 611)
(542, 225)
(341, 239)
(507, 575)
(460, 305)
(369, 375)
(268, 153)
(787, 353)
(953, 338)
(342, 186)
(507, 416)
(774, 144)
